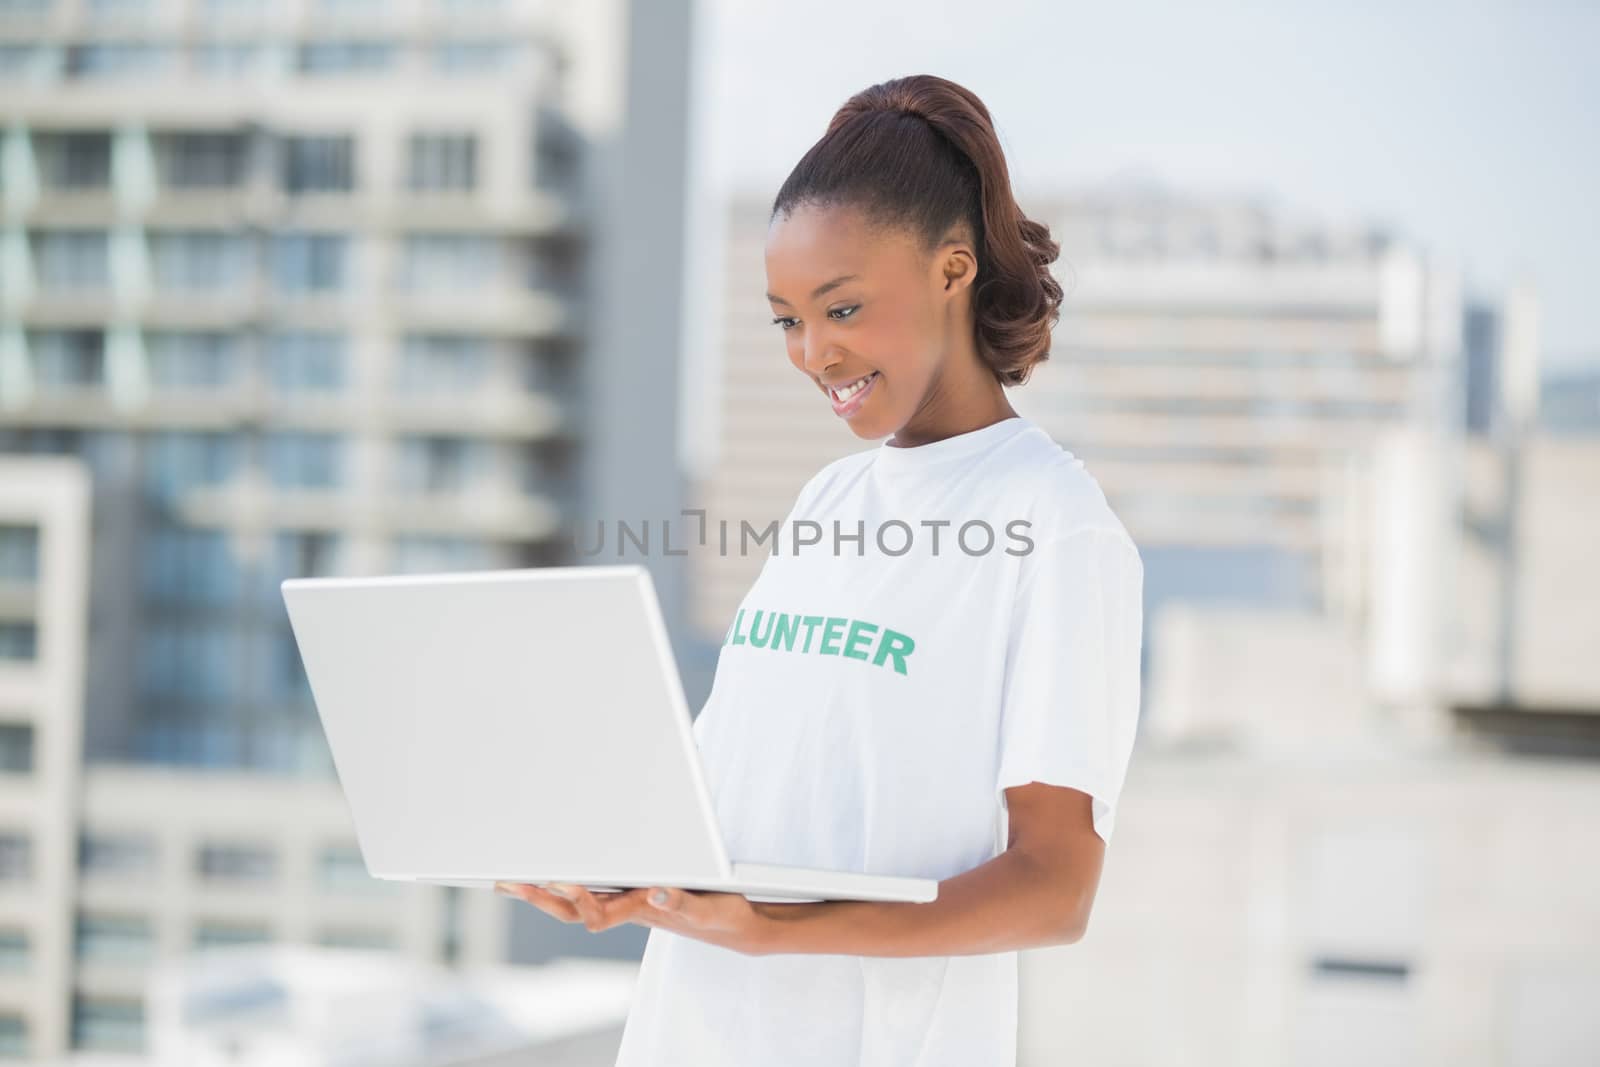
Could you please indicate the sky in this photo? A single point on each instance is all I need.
(1470, 129)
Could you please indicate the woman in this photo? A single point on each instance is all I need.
(974, 722)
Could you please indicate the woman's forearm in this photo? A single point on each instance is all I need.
(1011, 902)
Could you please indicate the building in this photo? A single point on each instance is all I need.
(293, 289)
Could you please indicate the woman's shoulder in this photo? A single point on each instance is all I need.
(1057, 491)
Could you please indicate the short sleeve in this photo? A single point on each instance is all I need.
(1070, 698)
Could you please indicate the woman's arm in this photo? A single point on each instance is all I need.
(1036, 893)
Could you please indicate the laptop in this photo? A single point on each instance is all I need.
(526, 726)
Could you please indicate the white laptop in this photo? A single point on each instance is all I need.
(526, 726)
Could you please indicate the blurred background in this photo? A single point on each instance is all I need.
(340, 287)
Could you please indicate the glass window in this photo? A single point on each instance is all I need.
(218, 934)
(202, 160)
(14, 949)
(19, 641)
(304, 361)
(304, 460)
(116, 939)
(188, 740)
(72, 259)
(116, 855)
(236, 862)
(225, 59)
(19, 554)
(340, 868)
(442, 363)
(300, 554)
(319, 164)
(69, 358)
(79, 160)
(307, 262)
(199, 260)
(344, 57)
(443, 162)
(357, 937)
(118, 59)
(192, 360)
(20, 62)
(191, 660)
(437, 464)
(189, 565)
(449, 261)
(16, 748)
(431, 553)
(107, 1023)
(13, 1027)
(16, 856)
(178, 460)
(472, 57)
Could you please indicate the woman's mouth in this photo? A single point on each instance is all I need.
(847, 399)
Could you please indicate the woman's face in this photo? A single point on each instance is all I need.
(868, 309)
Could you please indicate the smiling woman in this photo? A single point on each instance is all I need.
(987, 752)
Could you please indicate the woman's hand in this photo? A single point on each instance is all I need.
(726, 919)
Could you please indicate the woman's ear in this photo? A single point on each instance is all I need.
(958, 267)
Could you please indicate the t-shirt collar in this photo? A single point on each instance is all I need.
(893, 458)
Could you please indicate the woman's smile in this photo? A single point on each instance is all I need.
(847, 397)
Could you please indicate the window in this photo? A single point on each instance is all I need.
(189, 565)
(442, 162)
(236, 863)
(299, 554)
(199, 360)
(437, 464)
(118, 59)
(199, 261)
(107, 1023)
(341, 868)
(447, 261)
(308, 263)
(21, 62)
(432, 363)
(319, 164)
(13, 1027)
(304, 460)
(19, 641)
(179, 460)
(68, 358)
(16, 748)
(216, 934)
(15, 950)
(357, 937)
(202, 160)
(189, 660)
(476, 57)
(19, 554)
(427, 553)
(344, 57)
(116, 855)
(225, 59)
(115, 939)
(72, 259)
(76, 160)
(16, 856)
(304, 361)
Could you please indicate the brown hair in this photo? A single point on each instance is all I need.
(920, 153)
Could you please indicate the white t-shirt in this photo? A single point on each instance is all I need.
(874, 696)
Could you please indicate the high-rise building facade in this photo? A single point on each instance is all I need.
(302, 288)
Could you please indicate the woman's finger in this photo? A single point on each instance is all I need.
(553, 905)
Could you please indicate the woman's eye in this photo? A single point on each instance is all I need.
(784, 321)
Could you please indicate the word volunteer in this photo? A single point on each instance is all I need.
(836, 636)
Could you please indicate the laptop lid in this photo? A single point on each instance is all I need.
(515, 724)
